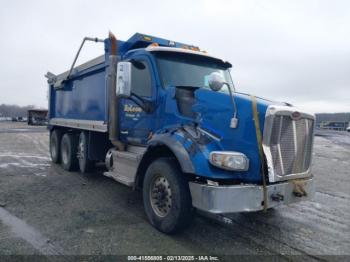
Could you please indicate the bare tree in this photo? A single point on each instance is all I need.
(14, 110)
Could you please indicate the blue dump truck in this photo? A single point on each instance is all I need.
(165, 118)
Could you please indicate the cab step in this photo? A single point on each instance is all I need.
(125, 164)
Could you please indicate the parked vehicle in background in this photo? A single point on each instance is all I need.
(166, 119)
(37, 117)
(4, 118)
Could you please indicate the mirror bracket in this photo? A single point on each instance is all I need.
(216, 82)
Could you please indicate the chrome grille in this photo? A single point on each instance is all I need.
(291, 145)
(288, 145)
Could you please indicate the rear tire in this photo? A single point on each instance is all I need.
(69, 146)
(85, 165)
(166, 196)
(55, 145)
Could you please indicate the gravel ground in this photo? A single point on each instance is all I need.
(47, 211)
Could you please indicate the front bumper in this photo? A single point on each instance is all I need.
(247, 198)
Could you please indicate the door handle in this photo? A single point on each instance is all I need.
(124, 132)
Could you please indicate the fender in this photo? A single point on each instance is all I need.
(176, 147)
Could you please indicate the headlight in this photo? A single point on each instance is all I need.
(229, 160)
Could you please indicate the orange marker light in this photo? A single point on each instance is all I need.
(154, 44)
(194, 48)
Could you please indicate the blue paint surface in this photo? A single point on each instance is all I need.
(216, 112)
(83, 98)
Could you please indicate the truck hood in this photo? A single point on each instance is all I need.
(214, 113)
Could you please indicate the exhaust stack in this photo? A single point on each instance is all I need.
(113, 100)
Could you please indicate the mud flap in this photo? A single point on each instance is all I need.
(299, 188)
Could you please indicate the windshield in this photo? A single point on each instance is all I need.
(178, 69)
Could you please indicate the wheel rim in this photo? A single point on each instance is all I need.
(81, 151)
(64, 153)
(160, 196)
(53, 148)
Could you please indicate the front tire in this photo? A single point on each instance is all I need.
(69, 146)
(166, 196)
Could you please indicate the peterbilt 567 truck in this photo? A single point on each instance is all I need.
(166, 119)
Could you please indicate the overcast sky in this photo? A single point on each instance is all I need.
(294, 51)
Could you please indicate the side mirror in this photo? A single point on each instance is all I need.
(124, 79)
(216, 81)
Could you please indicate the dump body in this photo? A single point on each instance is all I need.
(83, 99)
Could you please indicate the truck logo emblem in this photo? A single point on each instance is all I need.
(295, 115)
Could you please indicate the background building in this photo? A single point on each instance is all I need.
(335, 121)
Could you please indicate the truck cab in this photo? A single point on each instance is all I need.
(171, 123)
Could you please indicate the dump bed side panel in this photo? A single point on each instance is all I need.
(81, 100)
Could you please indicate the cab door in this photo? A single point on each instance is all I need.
(136, 125)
